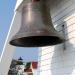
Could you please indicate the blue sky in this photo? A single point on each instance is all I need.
(6, 14)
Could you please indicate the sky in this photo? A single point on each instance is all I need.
(6, 15)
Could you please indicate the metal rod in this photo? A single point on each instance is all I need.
(63, 30)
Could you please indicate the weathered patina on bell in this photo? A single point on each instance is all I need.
(36, 29)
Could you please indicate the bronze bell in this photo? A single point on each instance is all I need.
(36, 29)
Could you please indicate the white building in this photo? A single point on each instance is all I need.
(60, 59)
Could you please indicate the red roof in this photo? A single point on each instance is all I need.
(34, 65)
(28, 70)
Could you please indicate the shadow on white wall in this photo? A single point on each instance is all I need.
(63, 61)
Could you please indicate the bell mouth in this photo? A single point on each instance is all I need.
(36, 41)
